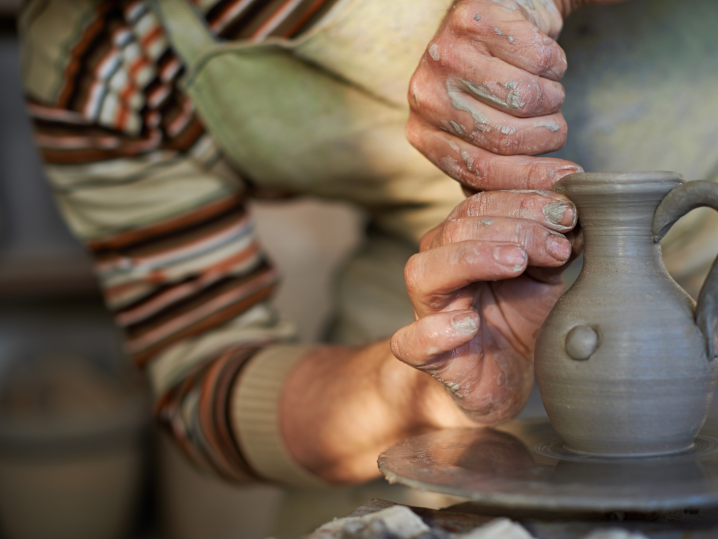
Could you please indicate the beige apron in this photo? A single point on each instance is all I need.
(324, 114)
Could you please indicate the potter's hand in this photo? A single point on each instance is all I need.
(481, 287)
(486, 96)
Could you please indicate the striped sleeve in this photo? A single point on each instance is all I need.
(143, 184)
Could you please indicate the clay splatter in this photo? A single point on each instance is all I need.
(548, 124)
(434, 52)
(458, 128)
(554, 211)
(459, 102)
(512, 101)
(468, 160)
(452, 387)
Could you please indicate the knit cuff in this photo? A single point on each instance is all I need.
(254, 416)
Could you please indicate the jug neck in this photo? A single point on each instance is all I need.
(616, 211)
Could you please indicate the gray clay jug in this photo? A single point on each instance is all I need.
(626, 361)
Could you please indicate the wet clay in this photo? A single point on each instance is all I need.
(626, 361)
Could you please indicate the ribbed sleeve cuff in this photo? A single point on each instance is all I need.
(254, 416)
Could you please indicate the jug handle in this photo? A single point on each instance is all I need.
(683, 199)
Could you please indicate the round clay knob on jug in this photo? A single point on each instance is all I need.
(581, 342)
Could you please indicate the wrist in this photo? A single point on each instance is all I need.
(340, 407)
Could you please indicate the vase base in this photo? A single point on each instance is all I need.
(557, 448)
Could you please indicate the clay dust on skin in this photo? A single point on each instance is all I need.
(548, 124)
(458, 129)
(481, 122)
(498, 32)
(468, 161)
(451, 387)
(434, 52)
(512, 100)
(554, 212)
(458, 100)
(452, 164)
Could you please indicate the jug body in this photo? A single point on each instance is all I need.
(622, 367)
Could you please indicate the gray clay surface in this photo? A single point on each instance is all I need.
(647, 386)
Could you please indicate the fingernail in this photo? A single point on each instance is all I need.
(465, 323)
(511, 256)
(560, 213)
(558, 247)
(562, 172)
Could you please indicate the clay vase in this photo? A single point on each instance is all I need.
(626, 361)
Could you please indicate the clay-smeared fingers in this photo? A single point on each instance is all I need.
(482, 170)
(462, 68)
(517, 32)
(454, 107)
(430, 286)
(543, 247)
(552, 210)
(435, 334)
(488, 80)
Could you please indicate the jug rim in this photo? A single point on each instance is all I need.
(599, 180)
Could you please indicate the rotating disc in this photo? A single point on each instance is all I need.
(524, 465)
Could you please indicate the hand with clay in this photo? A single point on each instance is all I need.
(482, 285)
(485, 98)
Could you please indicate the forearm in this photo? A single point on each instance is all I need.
(341, 407)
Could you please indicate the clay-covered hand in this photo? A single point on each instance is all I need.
(482, 285)
(486, 97)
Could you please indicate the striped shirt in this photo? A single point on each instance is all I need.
(141, 181)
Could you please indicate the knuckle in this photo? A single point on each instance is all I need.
(536, 175)
(530, 96)
(483, 171)
(544, 59)
(452, 232)
(477, 205)
(508, 140)
(396, 345)
(525, 205)
(412, 95)
(415, 131)
(461, 17)
(412, 272)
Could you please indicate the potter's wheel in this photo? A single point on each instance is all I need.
(523, 465)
